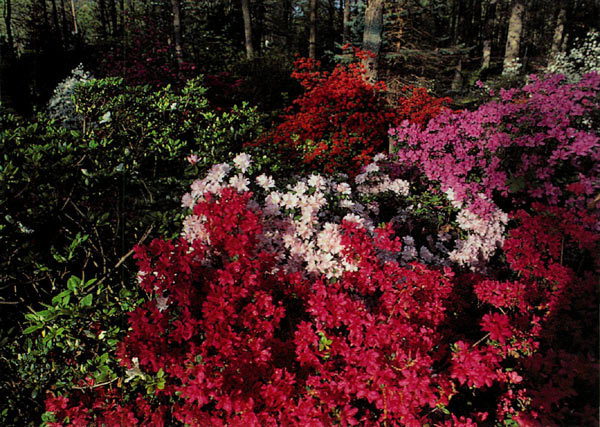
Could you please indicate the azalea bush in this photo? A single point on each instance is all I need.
(296, 305)
(341, 120)
(537, 143)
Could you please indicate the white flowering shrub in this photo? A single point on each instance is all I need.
(581, 59)
(303, 220)
(62, 105)
(513, 69)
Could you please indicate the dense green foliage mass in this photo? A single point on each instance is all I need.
(74, 202)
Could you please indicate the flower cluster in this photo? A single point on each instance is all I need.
(533, 143)
(341, 120)
(583, 58)
(250, 309)
(61, 105)
(418, 107)
(485, 234)
(338, 123)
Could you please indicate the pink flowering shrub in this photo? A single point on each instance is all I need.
(291, 306)
(538, 143)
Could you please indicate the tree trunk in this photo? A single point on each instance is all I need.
(312, 38)
(286, 16)
(247, 29)
(103, 17)
(559, 30)
(488, 31)
(346, 22)
(475, 31)
(457, 19)
(113, 16)
(8, 24)
(513, 39)
(65, 27)
(177, 32)
(372, 38)
(259, 25)
(464, 22)
(55, 18)
(122, 16)
(45, 15)
(75, 30)
(457, 80)
(332, 24)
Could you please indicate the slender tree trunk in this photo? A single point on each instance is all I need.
(103, 17)
(113, 16)
(63, 17)
(177, 32)
(121, 16)
(286, 17)
(259, 19)
(476, 30)
(55, 17)
(559, 30)
(457, 18)
(65, 27)
(488, 33)
(8, 23)
(312, 37)
(75, 30)
(247, 29)
(45, 15)
(464, 22)
(457, 80)
(372, 38)
(515, 29)
(331, 23)
(346, 22)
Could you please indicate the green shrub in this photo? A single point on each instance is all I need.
(73, 203)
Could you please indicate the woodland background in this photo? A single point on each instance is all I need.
(443, 45)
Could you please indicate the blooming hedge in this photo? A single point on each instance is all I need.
(454, 283)
(296, 306)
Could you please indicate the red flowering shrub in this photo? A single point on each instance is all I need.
(542, 325)
(418, 107)
(342, 120)
(240, 344)
(236, 331)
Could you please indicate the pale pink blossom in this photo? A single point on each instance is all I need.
(192, 159)
(239, 182)
(187, 201)
(242, 161)
(266, 182)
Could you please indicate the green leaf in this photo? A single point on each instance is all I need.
(73, 282)
(86, 301)
(32, 329)
(61, 297)
(90, 283)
